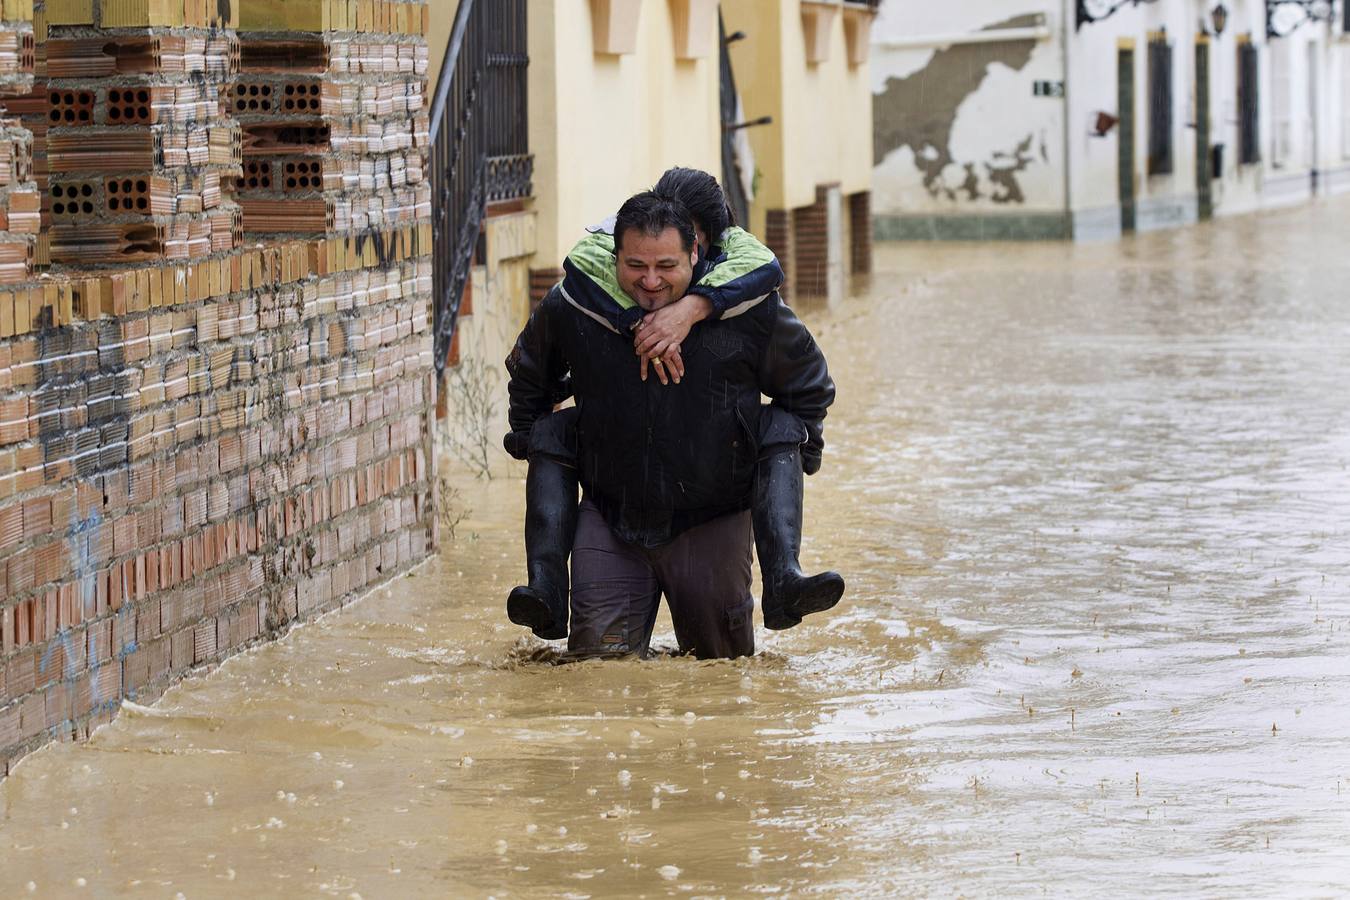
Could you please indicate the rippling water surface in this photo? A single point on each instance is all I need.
(1092, 503)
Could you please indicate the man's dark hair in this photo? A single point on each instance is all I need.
(702, 196)
(651, 214)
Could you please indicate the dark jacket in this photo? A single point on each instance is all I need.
(658, 459)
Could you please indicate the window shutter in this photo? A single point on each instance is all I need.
(1249, 143)
(1159, 106)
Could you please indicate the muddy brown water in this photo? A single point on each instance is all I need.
(1092, 503)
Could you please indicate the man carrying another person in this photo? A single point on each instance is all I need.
(669, 475)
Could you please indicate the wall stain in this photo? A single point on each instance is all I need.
(919, 110)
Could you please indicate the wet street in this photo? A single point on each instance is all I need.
(1093, 506)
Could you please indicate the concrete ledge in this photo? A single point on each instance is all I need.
(1286, 188)
(1031, 226)
(1173, 211)
(1099, 224)
(1335, 180)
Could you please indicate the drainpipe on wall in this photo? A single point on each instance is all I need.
(1066, 12)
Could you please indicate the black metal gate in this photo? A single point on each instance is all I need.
(480, 142)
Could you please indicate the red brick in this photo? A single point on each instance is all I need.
(181, 650)
(147, 620)
(151, 571)
(117, 586)
(106, 684)
(204, 641)
(99, 642)
(51, 610)
(37, 518)
(11, 728)
(21, 674)
(32, 716)
(20, 572)
(71, 612)
(11, 526)
(51, 665)
(139, 576)
(56, 700)
(124, 630)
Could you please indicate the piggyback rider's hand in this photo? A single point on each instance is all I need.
(657, 338)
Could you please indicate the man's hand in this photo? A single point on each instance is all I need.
(658, 336)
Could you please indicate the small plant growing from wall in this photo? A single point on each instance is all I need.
(450, 506)
(472, 388)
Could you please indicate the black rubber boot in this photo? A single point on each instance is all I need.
(777, 514)
(550, 527)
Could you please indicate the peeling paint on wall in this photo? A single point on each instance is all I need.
(919, 111)
(1004, 168)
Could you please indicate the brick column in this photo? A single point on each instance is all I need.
(779, 237)
(860, 227)
(20, 203)
(331, 97)
(541, 282)
(811, 248)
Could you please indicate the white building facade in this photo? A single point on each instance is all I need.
(1086, 119)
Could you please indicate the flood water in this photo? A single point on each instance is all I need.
(1092, 504)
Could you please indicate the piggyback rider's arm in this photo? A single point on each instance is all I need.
(744, 273)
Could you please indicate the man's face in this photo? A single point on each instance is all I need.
(654, 270)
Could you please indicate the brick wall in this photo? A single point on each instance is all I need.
(213, 442)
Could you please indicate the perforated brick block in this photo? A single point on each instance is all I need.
(252, 98)
(74, 200)
(71, 107)
(303, 175)
(302, 99)
(257, 176)
(130, 106)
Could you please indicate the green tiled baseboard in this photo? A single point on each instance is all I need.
(1026, 227)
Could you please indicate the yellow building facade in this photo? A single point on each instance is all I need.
(621, 90)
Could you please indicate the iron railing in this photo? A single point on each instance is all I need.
(479, 143)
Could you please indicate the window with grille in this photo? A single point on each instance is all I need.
(1159, 106)
(1249, 108)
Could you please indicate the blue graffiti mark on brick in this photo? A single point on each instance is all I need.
(83, 534)
(63, 641)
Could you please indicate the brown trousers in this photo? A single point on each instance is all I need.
(704, 574)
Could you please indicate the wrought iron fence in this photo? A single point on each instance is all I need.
(480, 143)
